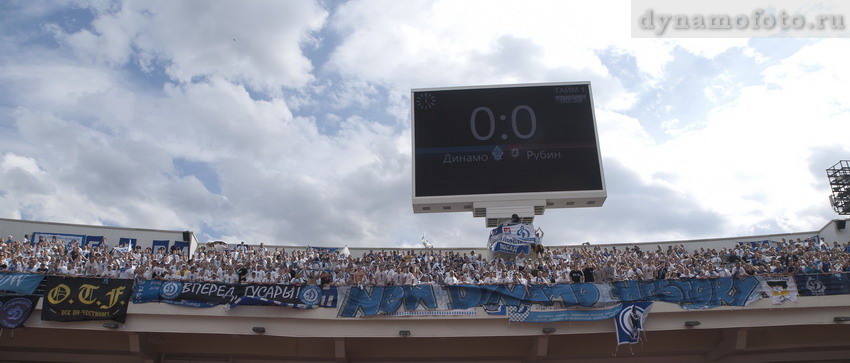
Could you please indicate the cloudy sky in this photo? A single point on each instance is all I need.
(288, 122)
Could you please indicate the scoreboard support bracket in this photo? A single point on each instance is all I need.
(496, 213)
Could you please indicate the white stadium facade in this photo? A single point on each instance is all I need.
(814, 328)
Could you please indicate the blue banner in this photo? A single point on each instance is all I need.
(146, 291)
(688, 293)
(209, 294)
(827, 284)
(20, 283)
(15, 310)
(543, 314)
(513, 238)
(506, 247)
(94, 241)
(182, 246)
(327, 299)
(157, 244)
(584, 294)
(371, 301)
(323, 249)
(63, 237)
(630, 321)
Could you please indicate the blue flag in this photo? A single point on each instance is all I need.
(20, 283)
(16, 309)
(630, 320)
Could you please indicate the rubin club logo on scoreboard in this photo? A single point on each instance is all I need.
(495, 143)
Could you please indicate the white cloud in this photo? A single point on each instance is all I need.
(620, 135)
(258, 42)
(710, 48)
(444, 43)
(282, 181)
(750, 161)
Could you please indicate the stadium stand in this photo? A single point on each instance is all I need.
(761, 298)
(328, 267)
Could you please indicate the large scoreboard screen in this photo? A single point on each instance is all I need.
(503, 140)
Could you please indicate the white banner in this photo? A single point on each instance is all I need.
(779, 288)
(513, 238)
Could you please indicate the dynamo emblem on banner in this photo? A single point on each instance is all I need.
(815, 286)
(523, 233)
(494, 309)
(310, 295)
(170, 290)
(13, 312)
(630, 321)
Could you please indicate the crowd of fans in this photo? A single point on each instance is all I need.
(261, 265)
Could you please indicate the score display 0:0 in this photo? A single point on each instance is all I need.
(489, 112)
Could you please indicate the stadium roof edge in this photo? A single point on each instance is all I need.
(761, 237)
(95, 226)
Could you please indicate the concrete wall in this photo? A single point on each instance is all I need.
(18, 228)
(830, 232)
(801, 331)
(324, 322)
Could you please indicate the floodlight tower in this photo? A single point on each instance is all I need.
(839, 181)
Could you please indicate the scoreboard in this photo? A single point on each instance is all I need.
(534, 141)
